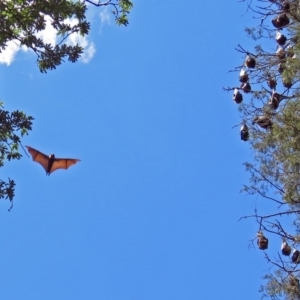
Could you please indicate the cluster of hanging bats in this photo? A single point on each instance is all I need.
(286, 249)
(279, 21)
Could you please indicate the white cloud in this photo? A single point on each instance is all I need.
(48, 35)
(7, 56)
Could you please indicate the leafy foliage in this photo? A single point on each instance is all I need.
(13, 126)
(21, 21)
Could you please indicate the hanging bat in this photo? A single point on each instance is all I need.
(244, 133)
(51, 163)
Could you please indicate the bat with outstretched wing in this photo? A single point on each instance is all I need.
(51, 163)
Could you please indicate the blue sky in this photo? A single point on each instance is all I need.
(151, 210)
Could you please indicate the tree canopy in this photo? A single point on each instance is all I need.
(21, 21)
(268, 98)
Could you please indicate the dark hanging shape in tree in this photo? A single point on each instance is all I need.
(275, 100)
(286, 6)
(244, 133)
(296, 256)
(250, 62)
(237, 96)
(262, 241)
(281, 21)
(263, 121)
(246, 87)
(272, 83)
(286, 249)
(280, 53)
(281, 68)
(280, 39)
(273, 103)
(243, 76)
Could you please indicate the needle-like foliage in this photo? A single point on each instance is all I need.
(270, 123)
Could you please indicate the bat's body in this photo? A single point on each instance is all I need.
(51, 163)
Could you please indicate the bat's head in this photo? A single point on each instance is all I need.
(51, 156)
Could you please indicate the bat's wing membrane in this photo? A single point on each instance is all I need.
(39, 157)
(63, 163)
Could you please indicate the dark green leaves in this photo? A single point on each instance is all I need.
(21, 21)
(13, 125)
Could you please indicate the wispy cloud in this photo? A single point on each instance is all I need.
(88, 53)
(105, 16)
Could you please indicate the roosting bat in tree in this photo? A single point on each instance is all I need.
(51, 163)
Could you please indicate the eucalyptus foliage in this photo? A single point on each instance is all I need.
(275, 167)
